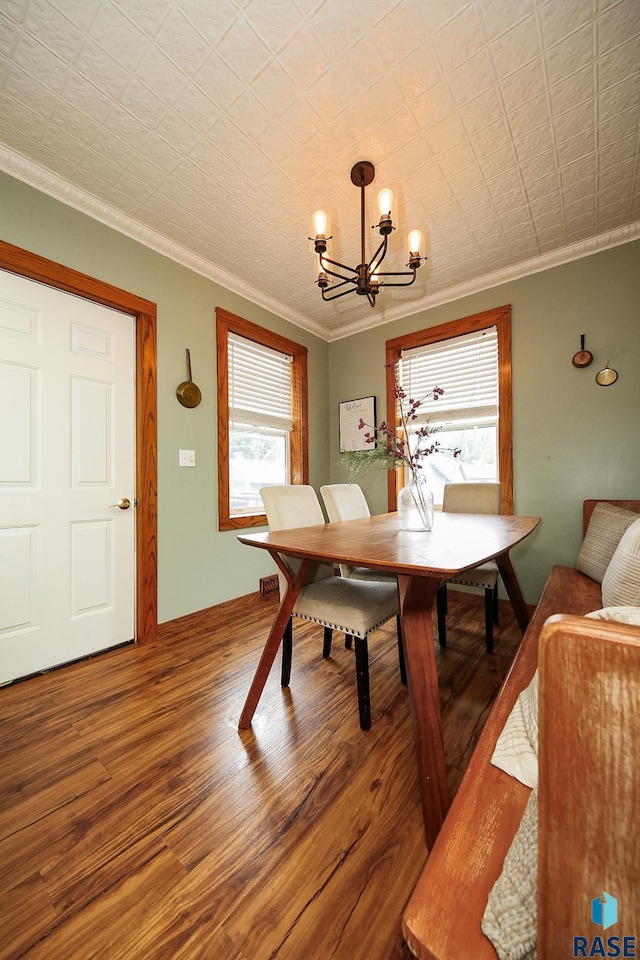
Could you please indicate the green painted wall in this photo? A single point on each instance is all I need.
(572, 439)
(198, 565)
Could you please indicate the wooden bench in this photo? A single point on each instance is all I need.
(442, 920)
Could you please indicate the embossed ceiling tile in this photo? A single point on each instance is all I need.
(508, 196)
(39, 62)
(276, 142)
(144, 169)
(523, 84)
(332, 26)
(615, 193)
(397, 132)
(445, 135)
(471, 78)
(499, 16)
(397, 34)
(382, 100)
(272, 20)
(105, 168)
(432, 106)
(147, 15)
(18, 115)
(161, 75)
(275, 89)
(25, 89)
(226, 136)
(218, 82)
(196, 108)
(417, 72)
(86, 97)
(618, 151)
(618, 127)
(621, 63)
(181, 43)
(530, 116)
(459, 39)
(581, 190)
(615, 99)
(537, 167)
(619, 173)
(617, 24)
(513, 49)
(105, 144)
(175, 130)
(144, 105)
(57, 33)
(410, 161)
(571, 54)
(547, 210)
(558, 20)
(581, 228)
(573, 90)
(102, 70)
(456, 159)
(437, 195)
(303, 58)
(580, 119)
(207, 156)
(162, 153)
(249, 114)
(581, 146)
(547, 186)
(501, 162)
(472, 199)
(613, 215)
(484, 110)
(579, 170)
(121, 39)
(125, 126)
(300, 168)
(534, 144)
(77, 123)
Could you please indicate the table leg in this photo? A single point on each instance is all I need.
(273, 643)
(510, 581)
(417, 596)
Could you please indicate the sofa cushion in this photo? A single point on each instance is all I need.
(606, 527)
(619, 614)
(621, 582)
(516, 749)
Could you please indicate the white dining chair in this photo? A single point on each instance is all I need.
(355, 607)
(346, 501)
(472, 497)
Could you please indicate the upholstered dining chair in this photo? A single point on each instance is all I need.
(472, 497)
(355, 607)
(346, 501)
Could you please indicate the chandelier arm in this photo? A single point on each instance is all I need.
(407, 284)
(337, 295)
(335, 263)
(375, 261)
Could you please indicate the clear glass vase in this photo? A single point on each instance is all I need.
(415, 505)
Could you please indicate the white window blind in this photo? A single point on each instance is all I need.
(465, 367)
(259, 385)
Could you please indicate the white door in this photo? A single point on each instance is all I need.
(67, 455)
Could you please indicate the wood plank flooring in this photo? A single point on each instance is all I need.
(136, 821)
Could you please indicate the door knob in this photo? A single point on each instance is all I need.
(123, 503)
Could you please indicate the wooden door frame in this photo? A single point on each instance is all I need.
(22, 262)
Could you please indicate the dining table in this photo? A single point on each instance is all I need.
(421, 561)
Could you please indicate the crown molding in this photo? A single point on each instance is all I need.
(575, 251)
(47, 182)
(60, 189)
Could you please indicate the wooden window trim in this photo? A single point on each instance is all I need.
(30, 265)
(227, 323)
(499, 317)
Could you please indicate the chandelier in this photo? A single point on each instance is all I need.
(366, 279)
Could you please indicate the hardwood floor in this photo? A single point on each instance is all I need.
(136, 821)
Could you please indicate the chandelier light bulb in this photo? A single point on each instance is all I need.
(320, 224)
(385, 202)
(415, 241)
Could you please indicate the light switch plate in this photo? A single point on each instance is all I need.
(187, 458)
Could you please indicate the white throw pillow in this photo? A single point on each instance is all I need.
(621, 582)
(619, 614)
(516, 750)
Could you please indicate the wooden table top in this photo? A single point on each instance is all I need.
(457, 542)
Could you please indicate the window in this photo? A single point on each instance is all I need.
(471, 360)
(262, 417)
